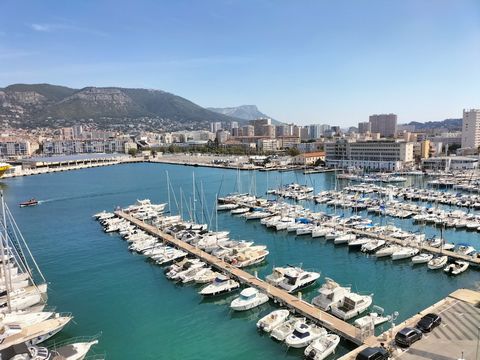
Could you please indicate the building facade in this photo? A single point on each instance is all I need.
(471, 128)
(16, 147)
(369, 155)
(385, 124)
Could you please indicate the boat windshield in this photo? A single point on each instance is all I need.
(291, 279)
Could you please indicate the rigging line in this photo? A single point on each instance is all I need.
(25, 243)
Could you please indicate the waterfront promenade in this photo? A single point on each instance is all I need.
(279, 296)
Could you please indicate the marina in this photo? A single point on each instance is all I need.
(147, 180)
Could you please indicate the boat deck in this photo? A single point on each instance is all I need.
(458, 333)
(279, 296)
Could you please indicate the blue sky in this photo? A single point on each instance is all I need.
(298, 61)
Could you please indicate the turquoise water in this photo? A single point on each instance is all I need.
(140, 314)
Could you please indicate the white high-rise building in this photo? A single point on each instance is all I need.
(385, 124)
(215, 126)
(471, 128)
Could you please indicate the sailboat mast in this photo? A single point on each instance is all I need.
(2, 251)
(168, 193)
(193, 190)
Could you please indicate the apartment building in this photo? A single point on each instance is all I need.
(369, 155)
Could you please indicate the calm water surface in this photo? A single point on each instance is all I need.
(140, 314)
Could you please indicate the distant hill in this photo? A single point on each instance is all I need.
(450, 124)
(246, 112)
(39, 105)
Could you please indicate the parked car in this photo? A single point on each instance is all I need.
(428, 322)
(373, 353)
(407, 336)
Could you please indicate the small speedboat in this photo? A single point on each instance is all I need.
(304, 334)
(456, 268)
(249, 298)
(437, 262)
(272, 320)
(422, 258)
(31, 202)
(372, 318)
(322, 347)
(220, 285)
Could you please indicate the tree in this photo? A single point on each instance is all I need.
(132, 152)
(293, 151)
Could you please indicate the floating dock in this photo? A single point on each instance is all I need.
(279, 296)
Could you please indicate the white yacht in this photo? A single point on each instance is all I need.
(304, 334)
(359, 242)
(344, 239)
(205, 275)
(322, 347)
(437, 262)
(352, 305)
(296, 279)
(220, 285)
(375, 318)
(249, 298)
(285, 329)
(372, 246)
(277, 276)
(320, 231)
(404, 253)
(422, 258)
(272, 320)
(465, 250)
(329, 294)
(387, 251)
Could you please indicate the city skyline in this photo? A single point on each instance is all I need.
(322, 63)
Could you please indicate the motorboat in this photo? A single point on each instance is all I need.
(272, 320)
(344, 239)
(438, 262)
(422, 258)
(204, 276)
(296, 279)
(75, 351)
(375, 318)
(372, 246)
(329, 294)
(285, 329)
(359, 242)
(224, 207)
(322, 347)
(456, 268)
(220, 285)
(31, 202)
(249, 298)
(239, 210)
(277, 275)
(405, 253)
(352, 305)
(320, 231)
(304, 334)
(464, 249)
(249, 257)
(387, 251)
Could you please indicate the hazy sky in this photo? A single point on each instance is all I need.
(298, 61)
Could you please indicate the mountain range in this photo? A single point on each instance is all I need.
(450, 124)
(245, 112)
(38, 105)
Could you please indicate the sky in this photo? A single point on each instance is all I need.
(318, 61)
